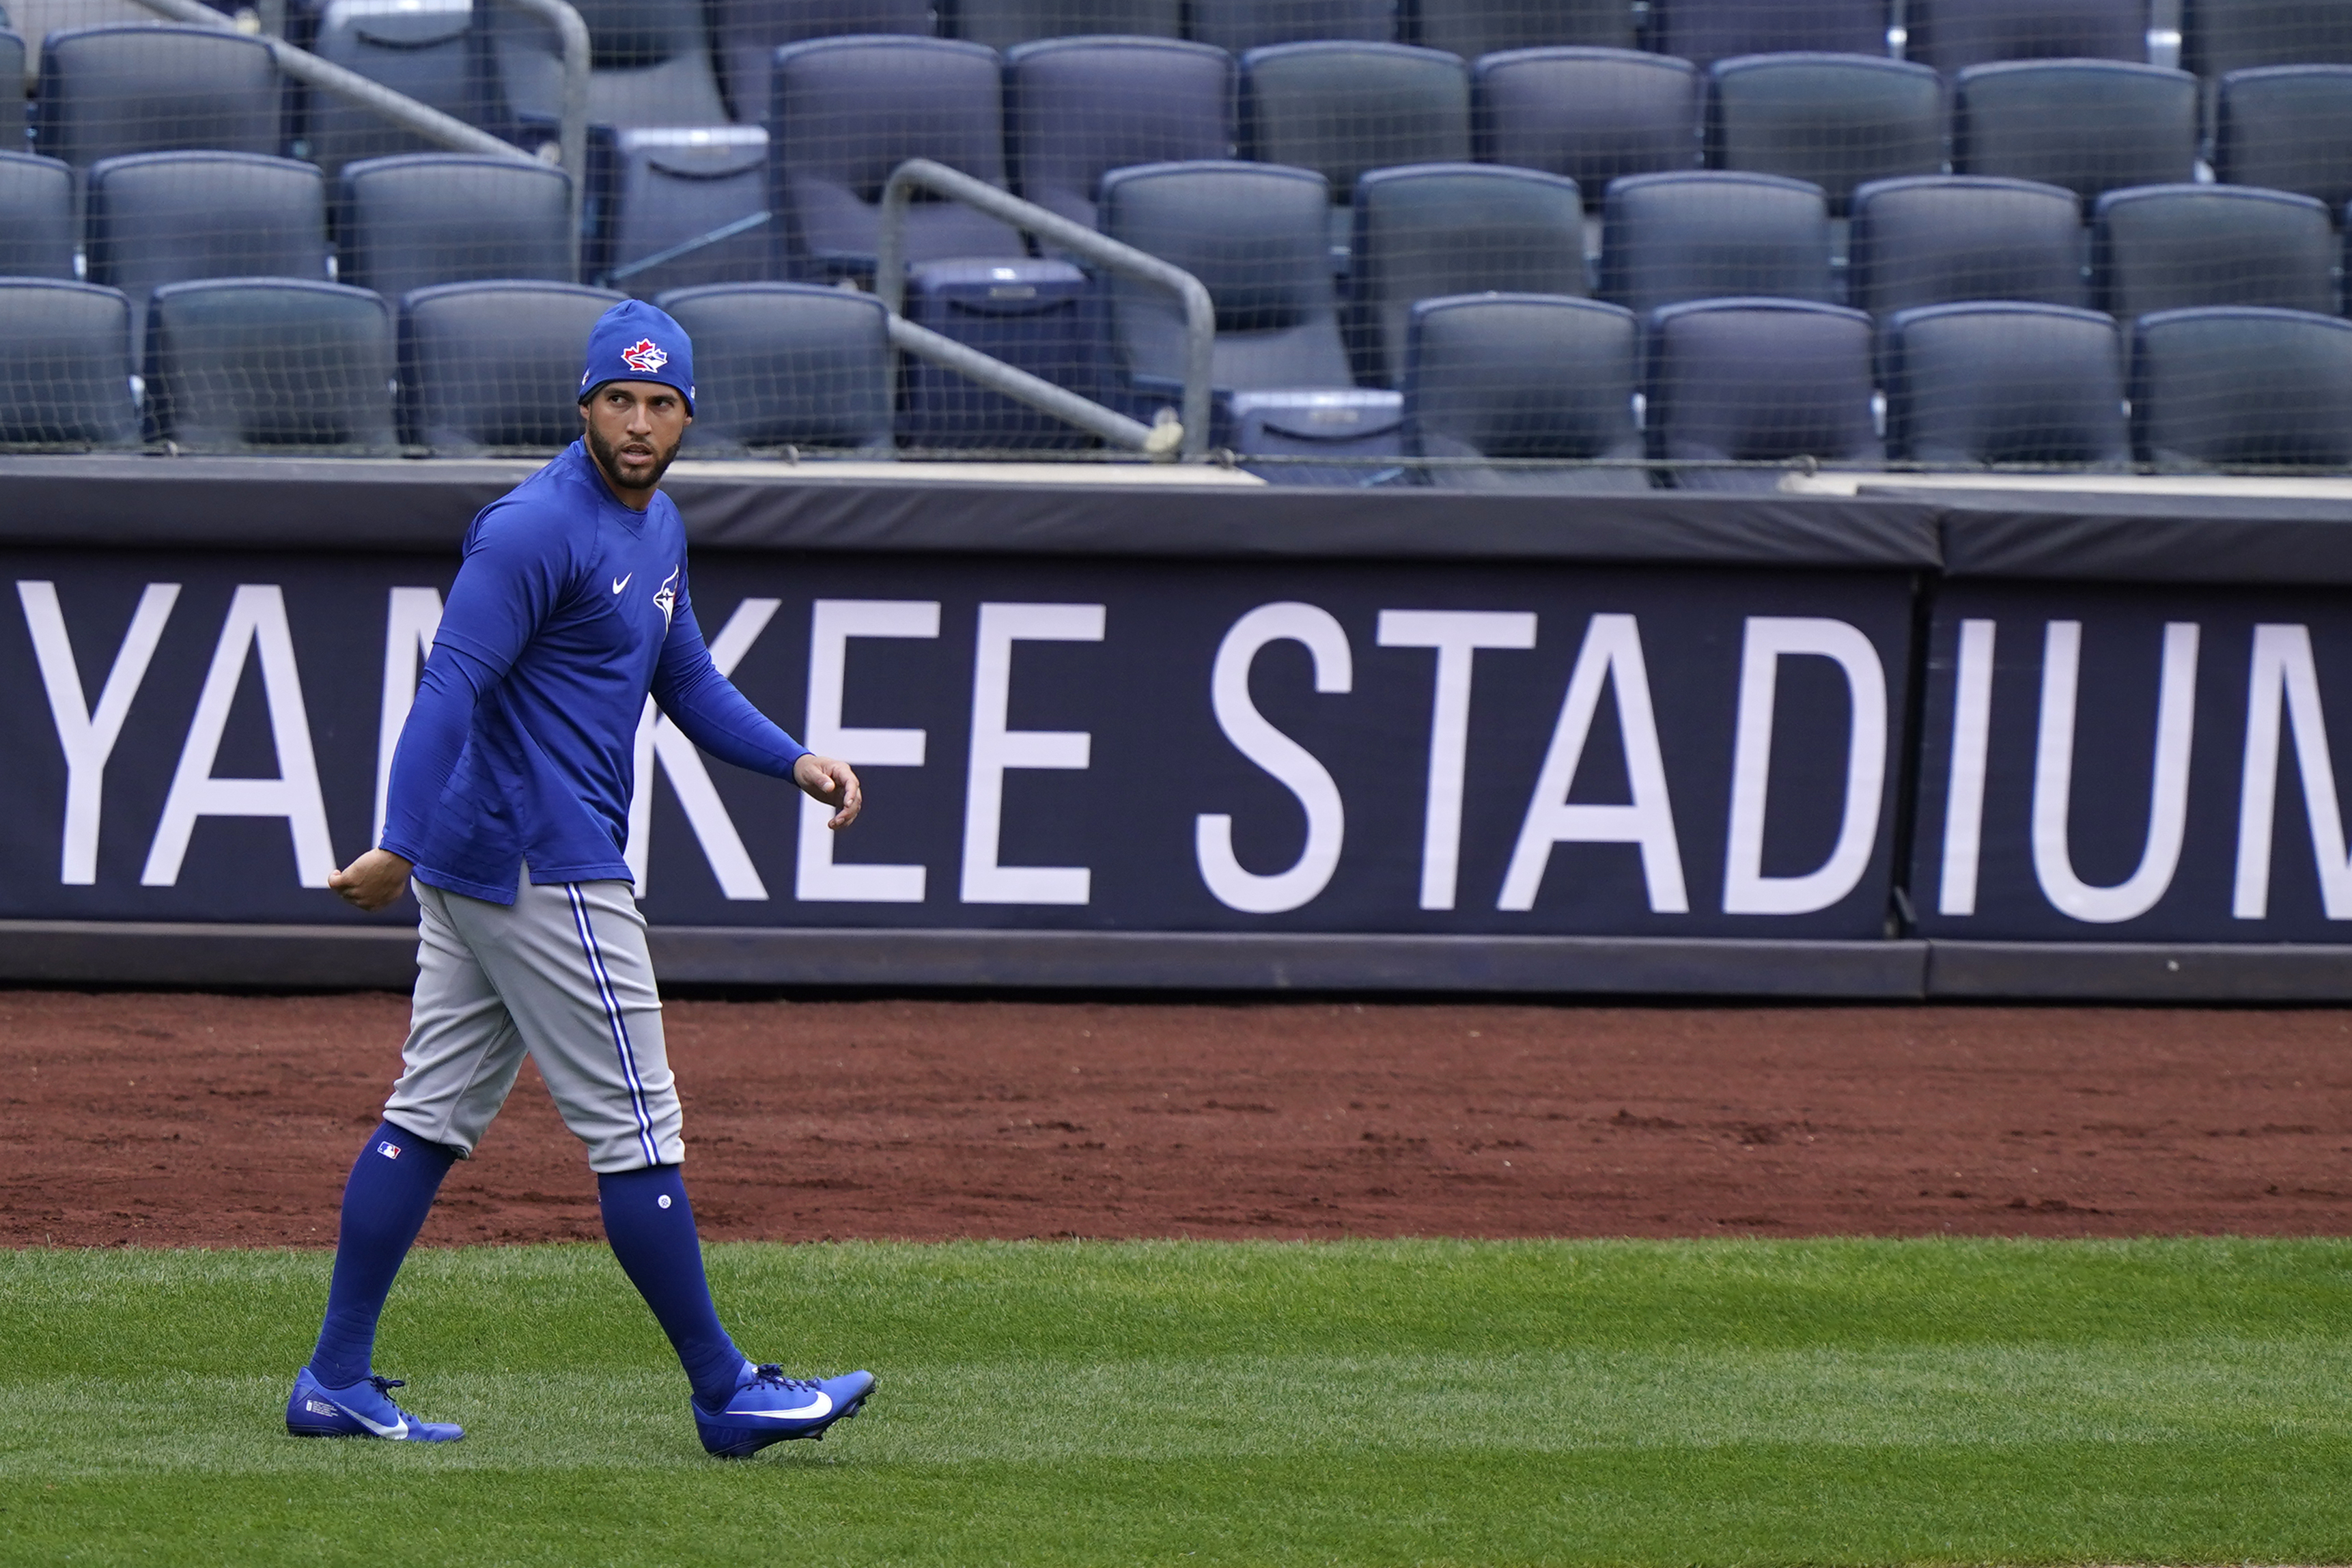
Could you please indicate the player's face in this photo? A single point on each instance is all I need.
(633, 429)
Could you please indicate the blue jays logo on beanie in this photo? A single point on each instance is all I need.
(635, 342)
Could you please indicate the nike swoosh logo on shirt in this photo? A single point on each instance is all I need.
(823, 1406)
(622, 582)
(397, 1429)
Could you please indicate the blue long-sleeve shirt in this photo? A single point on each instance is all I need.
(521, 746)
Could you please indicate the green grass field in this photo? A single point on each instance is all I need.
(1828, 1402)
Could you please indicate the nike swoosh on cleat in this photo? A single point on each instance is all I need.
(620, 583)
(398, 1429)
(823, 1406)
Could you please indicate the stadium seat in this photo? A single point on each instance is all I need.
(410, 222)
(1670, 238)
(2239, 386)
(666, 192)
(786, 365)
(12, 54)
(846, 111)
(250, 364)
(2170, 248)
(2286, 128)
(1001, 24)
(752, 31)
(107, 91)
(650, 65)
(1044, 316)
(420, 48)
(1076, 109)
(1438, 229)
(2219, 36)
(1973, 385)
(1341, 109)
(1237, 26)
(2089, 125)
(1837, 120)
(36, 223)
(485, 366)
(1523, 376)
(1706, 31)
(1593, 115)
(1938, 238)
(171, 217)
(67, 382)
(1755, 380)
(1474, 27)
(1953, 35)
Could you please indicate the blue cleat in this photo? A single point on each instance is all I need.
(362, 1410)
(769, 1407)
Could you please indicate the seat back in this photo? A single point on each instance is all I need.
(1439, 229)
(1237, 26)
(650, 63)
(1837, 120)
(419, 49)
(67, 380)
(2239, 385)
(37, 222)
(682, 207)
(2089, 125)
(1341, 109)
(1593, 115)
(1522, 375)
(485, 366)
(409, 222)
(269, 364)
(1706, 31)
(786, 365)
(1078, 108)
(2286, 128)
(149, 88)
(1984, 382)
(1001, 24)
(2219, 36)
(847, 111)
(1474, 27)
(1670, 238)
(1938, 238)
(752, 31)
(1953, 35)
(1759, 381)
(1255, 235)
(2169, 248)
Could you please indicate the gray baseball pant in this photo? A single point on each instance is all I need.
(562, 974)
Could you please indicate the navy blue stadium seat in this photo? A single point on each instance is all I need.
(421, 218)
(12, 55)
(107, 91)
(1838, 120)
(682, 207)
(1988, 383)
(846, 113)
(1953, 35)
(65, 381)
(1594, 115)
(1436, 229)
(650, 64)
(752, 31)
(785, 366)
(1044, 317)
(1076, 109)
(171, 217)
(1774, 381)
(2089, 125)
(1938, 238)
(1001, 24)
(1240, 24)
(2169, 248)
(419, 49)
(2219, 36)
(1706, 31)
(262, 365)
(1474, 27)
(1523, 376)
(486, 366)
(2286, 128)
(36, 221)
(1341, 109)
(1670, 238)
(2239, 386)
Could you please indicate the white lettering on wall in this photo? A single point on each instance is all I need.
(1964, 792)
(87, 735)
(2284, 675)
(1456, 635)
(658, 739)
(1770, 639)
(1291, 764)
(831, 622)
(995, 749)
(410, 619)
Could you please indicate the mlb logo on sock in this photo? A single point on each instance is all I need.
(390, 1151)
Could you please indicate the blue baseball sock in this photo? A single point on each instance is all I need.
(384, 1205)
(651, 1227)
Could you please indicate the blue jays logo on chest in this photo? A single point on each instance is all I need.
(667, 596)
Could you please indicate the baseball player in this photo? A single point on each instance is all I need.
(508, 811)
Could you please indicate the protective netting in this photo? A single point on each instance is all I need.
(1475, 243)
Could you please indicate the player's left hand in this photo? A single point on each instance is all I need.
(833, 784)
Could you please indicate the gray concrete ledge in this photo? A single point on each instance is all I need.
(2138, 971)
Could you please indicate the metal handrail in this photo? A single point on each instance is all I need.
(890, 287)
(571, 114)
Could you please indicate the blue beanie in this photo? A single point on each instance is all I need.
(635, 342)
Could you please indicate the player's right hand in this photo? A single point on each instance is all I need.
(373, 880)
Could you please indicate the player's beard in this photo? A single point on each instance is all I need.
(608, 458)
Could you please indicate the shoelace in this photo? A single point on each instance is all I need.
(384, 1385)
(770, 1375)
